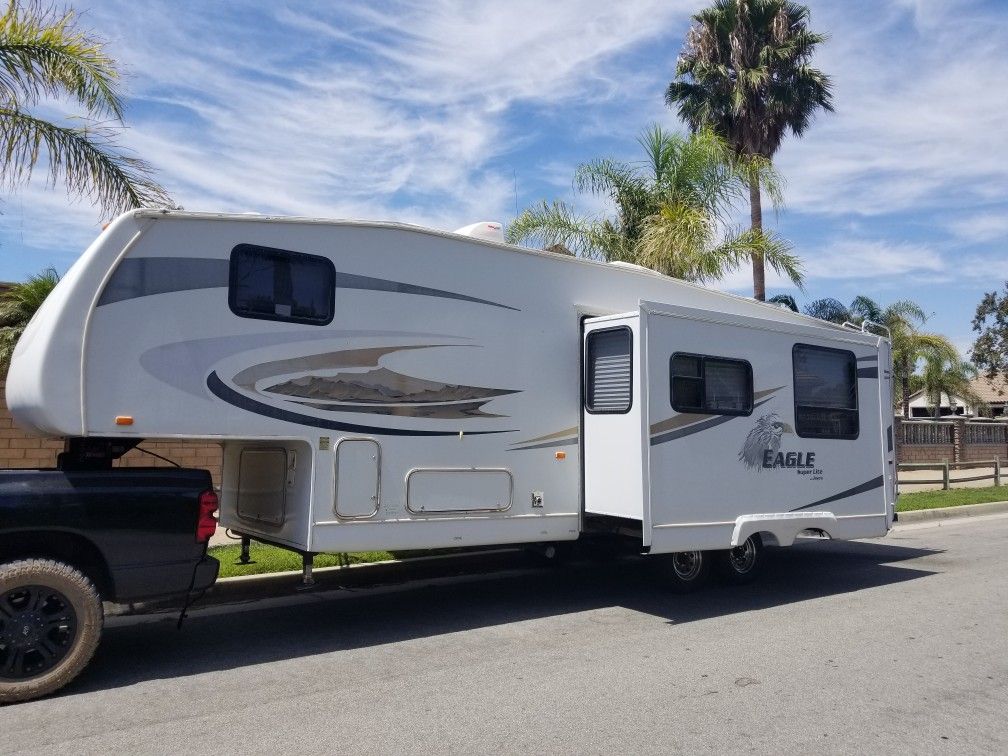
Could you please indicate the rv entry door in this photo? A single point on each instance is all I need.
(613, 405)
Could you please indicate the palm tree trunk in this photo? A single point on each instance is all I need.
(756, 222)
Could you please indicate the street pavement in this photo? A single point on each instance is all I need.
(898, 646)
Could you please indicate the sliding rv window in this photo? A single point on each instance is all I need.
(825, 392)
(609, 371)
(712, 385)
(274, 284)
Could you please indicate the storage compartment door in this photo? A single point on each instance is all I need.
(262, 485)
(358, 462)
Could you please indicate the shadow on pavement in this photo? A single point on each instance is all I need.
(362, 618)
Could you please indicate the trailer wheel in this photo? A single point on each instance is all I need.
(50, 623)
(741, 564)
(686, 570)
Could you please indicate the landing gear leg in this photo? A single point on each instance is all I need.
(307, 563)
(245, 543)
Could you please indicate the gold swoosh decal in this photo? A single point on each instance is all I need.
(549, 437)
(688, 418)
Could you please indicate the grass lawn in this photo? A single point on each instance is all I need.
(272, 559)
(954, 497)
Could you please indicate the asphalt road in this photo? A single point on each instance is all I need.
(898, 645)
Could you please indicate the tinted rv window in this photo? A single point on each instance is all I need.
(609, 371)
(712, 385)
(274, 284)
(825, 389)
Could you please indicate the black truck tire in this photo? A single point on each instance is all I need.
(50, 623)
(684, 571)
(742, 564)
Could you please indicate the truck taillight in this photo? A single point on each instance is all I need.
(206, 524)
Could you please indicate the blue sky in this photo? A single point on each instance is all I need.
(438, 113)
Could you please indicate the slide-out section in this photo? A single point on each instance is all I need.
(614, 408)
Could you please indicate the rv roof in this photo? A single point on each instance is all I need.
(628, 269)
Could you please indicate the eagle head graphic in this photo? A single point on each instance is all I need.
(765, 436)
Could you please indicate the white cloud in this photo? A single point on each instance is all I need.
(917, 122)
(871, 259)
(984, 227)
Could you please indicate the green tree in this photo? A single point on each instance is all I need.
(827, 308)
(18, 304)
(669, 211)
(785, 300)
(45, 54)
(953, 378)
(990, 350)
(744, 71)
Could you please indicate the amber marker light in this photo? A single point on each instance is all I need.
(561, 455)
(124, 420)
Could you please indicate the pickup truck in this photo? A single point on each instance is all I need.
(73, 538)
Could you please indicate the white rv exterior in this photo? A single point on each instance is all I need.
(380, 386)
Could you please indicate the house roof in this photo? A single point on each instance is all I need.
(991, 391)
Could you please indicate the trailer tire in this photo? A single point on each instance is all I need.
(50, 623)
(741, 565)
(685, 571)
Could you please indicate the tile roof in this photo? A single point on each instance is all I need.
(995, 391)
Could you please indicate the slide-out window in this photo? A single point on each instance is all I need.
(711, 385)
(609, 371)
(825, 390)
(274, 284)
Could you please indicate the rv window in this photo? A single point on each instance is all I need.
(274, 284)
(712, 385)
(609, 371)
(825, 389)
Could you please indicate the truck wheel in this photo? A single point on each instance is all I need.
(686, 571)
(50, 623)
(741, 564)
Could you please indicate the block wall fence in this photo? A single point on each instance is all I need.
(950, 440)
(19, 449)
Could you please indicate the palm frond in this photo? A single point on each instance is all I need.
(44, 52)
(775, 252)
(84, 157)
(18, 305)
(546, 225)
(866, 308)
(785, 300)
(829, 309)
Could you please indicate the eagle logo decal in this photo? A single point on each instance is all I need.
(766, 436)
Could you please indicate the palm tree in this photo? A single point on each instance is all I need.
(45, 54)
(829, 309)
(951, 377)
(668, 211)
(784, 300)
(744, 72)
(17, 306)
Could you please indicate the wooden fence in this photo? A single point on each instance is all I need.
(945, 480)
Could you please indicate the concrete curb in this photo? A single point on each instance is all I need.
(947, 513)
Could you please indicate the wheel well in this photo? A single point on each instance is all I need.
(70, 548)
(768, 538)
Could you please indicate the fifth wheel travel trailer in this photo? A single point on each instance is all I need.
(382, 386)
